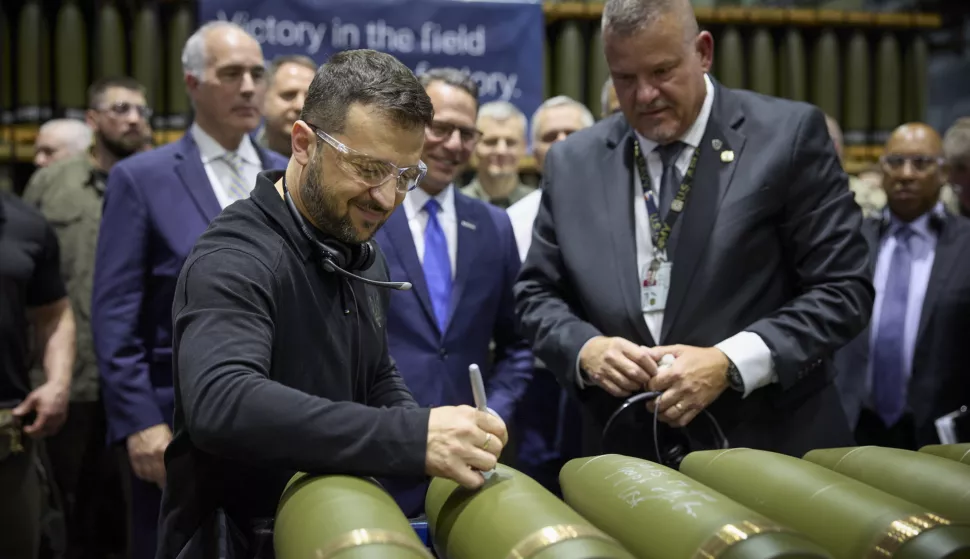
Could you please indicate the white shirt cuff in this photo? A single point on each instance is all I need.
(580, 380)
(751, 356)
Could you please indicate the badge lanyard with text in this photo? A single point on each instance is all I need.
(656, 279)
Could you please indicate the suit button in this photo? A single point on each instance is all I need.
(443, 353)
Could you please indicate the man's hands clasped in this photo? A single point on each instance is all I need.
(462, 443)
(616, 365)
(696, 378)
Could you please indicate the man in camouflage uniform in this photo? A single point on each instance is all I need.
(69, 193)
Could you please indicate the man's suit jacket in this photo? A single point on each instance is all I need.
(156, 205)
(433, 363)
(768, 243)
(939, 383)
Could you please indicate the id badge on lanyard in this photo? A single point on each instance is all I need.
(655, 277)
(655, 286)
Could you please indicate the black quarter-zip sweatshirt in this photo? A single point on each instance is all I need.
(280, 367)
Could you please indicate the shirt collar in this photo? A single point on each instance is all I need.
(265, 196)
(921, 226)
(210, 150)
(417, 198)
(695, 133)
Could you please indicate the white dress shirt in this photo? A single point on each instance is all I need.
(923, 249)
(217, 168)
(447, 218)
(523, 216)
(746, 350)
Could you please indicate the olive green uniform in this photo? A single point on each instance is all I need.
(475, 190)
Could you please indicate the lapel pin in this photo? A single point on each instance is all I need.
(716, 144)
(727, 156)
(468, 224)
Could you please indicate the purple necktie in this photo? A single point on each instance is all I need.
(888, 376)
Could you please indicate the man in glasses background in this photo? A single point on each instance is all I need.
(70, 194)
(282, 364)
(907, 368)
(461, 258)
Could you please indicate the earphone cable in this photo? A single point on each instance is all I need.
(723, 441)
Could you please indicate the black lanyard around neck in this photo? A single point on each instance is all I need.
(660, 230)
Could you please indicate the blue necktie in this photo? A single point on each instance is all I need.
(437, 264)
(888, 376)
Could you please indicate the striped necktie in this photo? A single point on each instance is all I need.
(235, 185)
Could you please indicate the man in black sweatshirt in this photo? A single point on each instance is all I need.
(280, 356)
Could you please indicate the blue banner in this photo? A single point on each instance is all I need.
(499, 44)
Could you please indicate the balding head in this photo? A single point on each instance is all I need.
(553, 121)
(225, 78)
(60, 138)
(198, 50)
(913, 170)
(917, 135)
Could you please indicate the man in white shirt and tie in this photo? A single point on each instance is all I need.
(907, 370)
(703, 223)
(461, 258)
(156, 205)
(553, 121)
(231, 174)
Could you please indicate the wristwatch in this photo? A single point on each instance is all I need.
(735, 381)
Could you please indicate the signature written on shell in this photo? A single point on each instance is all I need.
(640, 482)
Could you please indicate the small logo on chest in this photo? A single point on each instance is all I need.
(376, 312)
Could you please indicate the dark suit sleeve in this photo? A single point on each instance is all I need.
(224, 315)
(513, 359)
(829, 257)
(548, 312)
(121, 266)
